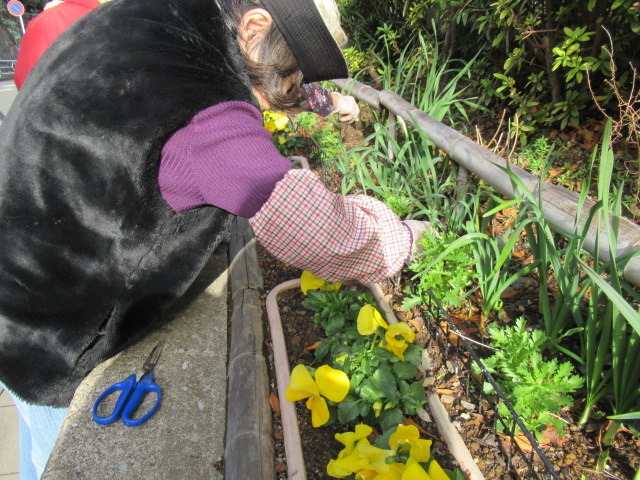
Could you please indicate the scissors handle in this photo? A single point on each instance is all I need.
(131, 396)
(144, 386)
(125, 387)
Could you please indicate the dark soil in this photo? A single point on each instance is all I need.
(573, 455)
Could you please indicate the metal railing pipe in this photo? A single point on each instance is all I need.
(559, 204)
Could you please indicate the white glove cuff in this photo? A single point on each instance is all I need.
(336, 108)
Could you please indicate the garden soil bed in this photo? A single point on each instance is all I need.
(573, 456)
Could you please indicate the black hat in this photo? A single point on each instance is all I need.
(304, 29)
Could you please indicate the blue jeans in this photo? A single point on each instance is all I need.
(38, 429)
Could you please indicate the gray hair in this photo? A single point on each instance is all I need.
(275, 71)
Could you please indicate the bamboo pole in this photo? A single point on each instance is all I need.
(559, 205)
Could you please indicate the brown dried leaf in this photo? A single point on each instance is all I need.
(275, 403)
(446, 391)
(416, 325)
(312, 347)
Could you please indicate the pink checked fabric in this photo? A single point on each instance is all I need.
(334, 237)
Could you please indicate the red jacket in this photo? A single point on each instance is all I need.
(44, 29)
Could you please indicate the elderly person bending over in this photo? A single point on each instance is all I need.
(127, 153)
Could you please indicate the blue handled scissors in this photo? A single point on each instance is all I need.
(133, 390)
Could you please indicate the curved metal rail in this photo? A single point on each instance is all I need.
(559, 204)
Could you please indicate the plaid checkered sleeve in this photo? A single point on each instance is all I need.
(334, 237)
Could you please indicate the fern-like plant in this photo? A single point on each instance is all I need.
(537, 388)
(446, 274)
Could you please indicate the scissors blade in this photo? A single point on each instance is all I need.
(153, 357)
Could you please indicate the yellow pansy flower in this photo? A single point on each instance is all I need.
(369, 319)
(359, 456)
(368, 462)
(408, 437)
(308, 281)
(274, 121)
(329, 382)
(414, 471)
(375, 457)
(349, 439)
(394, 472)
(395, 345)
(436, 472)
(364, 460)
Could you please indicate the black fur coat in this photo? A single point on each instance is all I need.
(90, 253)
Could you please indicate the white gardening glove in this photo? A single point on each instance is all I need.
(345, 106)
(417, 227)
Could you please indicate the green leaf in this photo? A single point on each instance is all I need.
(368, 392)
(348, 409)
(321, 351)
(404, 370)
(413, 354)
(626, 416)
(621, 304)
(355, 380)
(334, 325)
(386, 382)
(382, 441)
(390, 418)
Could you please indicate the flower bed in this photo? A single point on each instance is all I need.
(517, 268)
(375, 380)
(473, 413)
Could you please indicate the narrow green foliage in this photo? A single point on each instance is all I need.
(493, 254)
(537, 388)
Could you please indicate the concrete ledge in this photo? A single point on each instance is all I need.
(185, 438)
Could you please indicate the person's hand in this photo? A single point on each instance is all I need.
(346, 106)
(417, 227)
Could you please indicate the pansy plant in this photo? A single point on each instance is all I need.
(329, 383)
(378, 358)
(400, 454)
(367, 367)
(335, 309)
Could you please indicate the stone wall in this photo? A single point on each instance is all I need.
(8, 49)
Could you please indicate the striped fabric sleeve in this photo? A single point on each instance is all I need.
(335, 237)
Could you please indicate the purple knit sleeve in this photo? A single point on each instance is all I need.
(223, 157)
